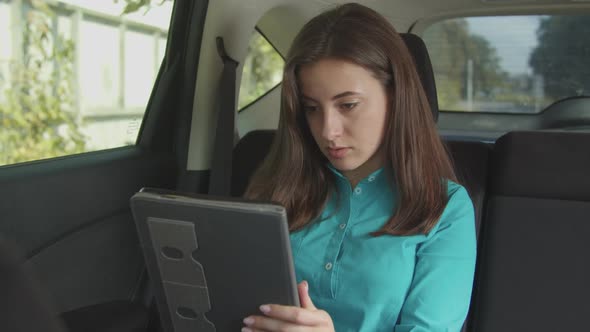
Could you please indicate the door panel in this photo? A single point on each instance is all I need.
(97, 264)
(71, 218)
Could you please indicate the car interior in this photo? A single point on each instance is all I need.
(70, 259)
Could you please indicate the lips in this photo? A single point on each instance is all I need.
(338, 153)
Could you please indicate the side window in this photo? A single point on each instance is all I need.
(262, 70)
(509, 64)
(76, 75)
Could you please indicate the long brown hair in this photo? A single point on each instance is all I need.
(295, 173)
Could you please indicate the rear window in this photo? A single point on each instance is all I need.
(509, 64)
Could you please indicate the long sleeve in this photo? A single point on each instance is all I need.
(440, 292)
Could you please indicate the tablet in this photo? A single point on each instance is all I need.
(212, 261)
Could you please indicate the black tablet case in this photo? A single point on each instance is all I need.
(212, 262)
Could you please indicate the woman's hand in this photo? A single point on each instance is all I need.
(288, 318)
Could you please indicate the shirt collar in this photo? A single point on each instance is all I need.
(370, 178)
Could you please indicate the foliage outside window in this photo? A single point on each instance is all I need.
(514, 64)
(44, 93)
(262, 71)
(36, 109)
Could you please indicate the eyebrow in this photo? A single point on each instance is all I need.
(340, 95)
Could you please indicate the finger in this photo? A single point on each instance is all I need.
(249, 329)
(294, 315)
(304, 298)
(261, 323)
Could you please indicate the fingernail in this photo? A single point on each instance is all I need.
(265, 308)
(245, 329)
(305, 285)
(248, 320)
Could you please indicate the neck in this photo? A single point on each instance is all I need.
(356, 175)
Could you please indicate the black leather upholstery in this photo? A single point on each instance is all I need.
(533, 264)
(421, 58)
(471, 167)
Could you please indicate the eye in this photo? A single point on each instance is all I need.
(309, 108)
(348, 106)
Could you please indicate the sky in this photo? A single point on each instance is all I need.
(514, 37)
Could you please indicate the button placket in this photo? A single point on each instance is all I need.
(329, 267)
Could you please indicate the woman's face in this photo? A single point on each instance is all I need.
(345, 107)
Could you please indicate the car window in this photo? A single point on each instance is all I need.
(509, 64)
(262, 70)
(76, 75)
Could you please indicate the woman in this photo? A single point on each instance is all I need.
(382, 235)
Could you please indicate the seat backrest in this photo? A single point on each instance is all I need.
(471, 167)
(247, 156)
(533, 267)
(470, 158)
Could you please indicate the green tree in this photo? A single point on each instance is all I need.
(451, 46)
(560, 56)
(262, 70)
(37, 106)
(37, 115)
(488, 74)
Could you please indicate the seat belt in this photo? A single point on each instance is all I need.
(221, 163)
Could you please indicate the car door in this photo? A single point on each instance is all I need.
(70, 215)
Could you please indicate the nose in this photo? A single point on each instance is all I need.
(332, 125)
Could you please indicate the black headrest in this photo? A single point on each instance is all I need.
(424, 67)
(542, 164)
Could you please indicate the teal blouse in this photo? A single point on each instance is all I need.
(388, 283)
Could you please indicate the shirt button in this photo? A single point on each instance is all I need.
(358, 190)
(328, 266)
(371, 178)
(342, 226)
